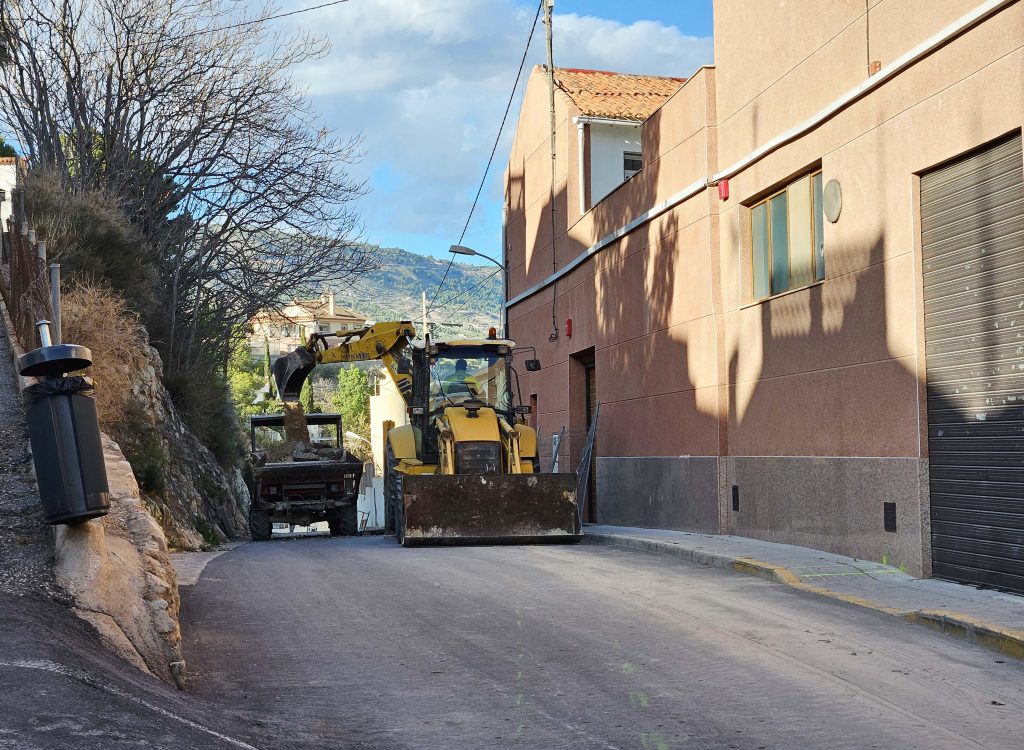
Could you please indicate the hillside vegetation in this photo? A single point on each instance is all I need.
(471, 295)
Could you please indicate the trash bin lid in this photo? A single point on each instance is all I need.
(54, 361)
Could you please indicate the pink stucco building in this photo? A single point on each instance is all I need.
(795, 281)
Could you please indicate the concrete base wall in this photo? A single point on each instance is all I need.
(833, 504)
(658, 492)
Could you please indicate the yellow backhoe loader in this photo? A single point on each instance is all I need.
(466, 468)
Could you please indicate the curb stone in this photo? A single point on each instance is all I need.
(1006, 641)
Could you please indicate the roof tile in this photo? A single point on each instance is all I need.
(620, 96)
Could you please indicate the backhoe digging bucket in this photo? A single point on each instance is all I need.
(489, 509)
(291, 372)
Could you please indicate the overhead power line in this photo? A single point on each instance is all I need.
(254, 21)
(460, 294)
(239, 25)
(494, 149)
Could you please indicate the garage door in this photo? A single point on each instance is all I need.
(972, 222)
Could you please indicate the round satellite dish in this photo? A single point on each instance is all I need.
(54, 361)
(832, 201)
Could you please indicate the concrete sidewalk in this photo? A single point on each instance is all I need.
(989, 618)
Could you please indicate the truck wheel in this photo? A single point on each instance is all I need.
(335, 524)
(259, 525)
(349, 520)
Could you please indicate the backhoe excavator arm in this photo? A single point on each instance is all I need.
(383, 341)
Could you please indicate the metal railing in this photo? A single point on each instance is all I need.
(25, 283)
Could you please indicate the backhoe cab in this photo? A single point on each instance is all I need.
(466, 467)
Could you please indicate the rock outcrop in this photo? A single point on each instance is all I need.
(119, 576)
(195, 500)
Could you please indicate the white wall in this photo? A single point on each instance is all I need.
(8, 180)
(607, 145)
(388, 405)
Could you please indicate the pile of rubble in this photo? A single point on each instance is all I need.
(317, 452)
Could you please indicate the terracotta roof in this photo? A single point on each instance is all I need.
(319, 308)
(620, 96)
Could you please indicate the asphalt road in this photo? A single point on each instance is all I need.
(360, 643)
(61, 689)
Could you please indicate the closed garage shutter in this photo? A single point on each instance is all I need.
(972, 222)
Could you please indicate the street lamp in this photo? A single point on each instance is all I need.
(462, 250)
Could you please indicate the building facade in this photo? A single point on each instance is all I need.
(800, 315)
(291, 326)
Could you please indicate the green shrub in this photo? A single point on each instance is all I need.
(207, 532)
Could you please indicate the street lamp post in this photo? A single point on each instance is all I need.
(461, 250)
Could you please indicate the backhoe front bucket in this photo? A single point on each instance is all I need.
(489, 509)
(291, 372)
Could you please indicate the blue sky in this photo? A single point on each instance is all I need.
(425, 82)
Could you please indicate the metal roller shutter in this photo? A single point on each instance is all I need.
(972, 223)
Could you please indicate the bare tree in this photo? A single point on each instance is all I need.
(186, 114)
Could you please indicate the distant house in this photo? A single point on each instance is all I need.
(292, 325)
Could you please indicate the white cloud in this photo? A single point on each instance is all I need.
(426, 82)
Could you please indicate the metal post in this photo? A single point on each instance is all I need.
(504, 301)
(548, 7)
(44, 333)
(504, 271)
(423, 299)
(55, 298)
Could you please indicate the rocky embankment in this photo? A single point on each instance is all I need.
(119, 576)
(195, 500)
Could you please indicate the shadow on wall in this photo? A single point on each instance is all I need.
(824, 422)
(659, 416)
(823, 416)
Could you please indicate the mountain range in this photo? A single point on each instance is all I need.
(468, 303)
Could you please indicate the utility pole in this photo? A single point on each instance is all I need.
(549, 6)
(423, 298)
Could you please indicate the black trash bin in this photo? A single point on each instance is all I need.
(66, 448)
(65, 434)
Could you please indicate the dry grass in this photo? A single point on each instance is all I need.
(96, 317)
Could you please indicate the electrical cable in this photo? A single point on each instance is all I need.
(459, 294)
(243, 24)
(253, 22)
(494, 149)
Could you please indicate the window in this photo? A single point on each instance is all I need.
(631, 164)
(322, 328)
(787, 238)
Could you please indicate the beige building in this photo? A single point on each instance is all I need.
(293, 324)
(799, 308)
(386, 405)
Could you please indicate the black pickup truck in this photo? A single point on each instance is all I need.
(302, 483)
